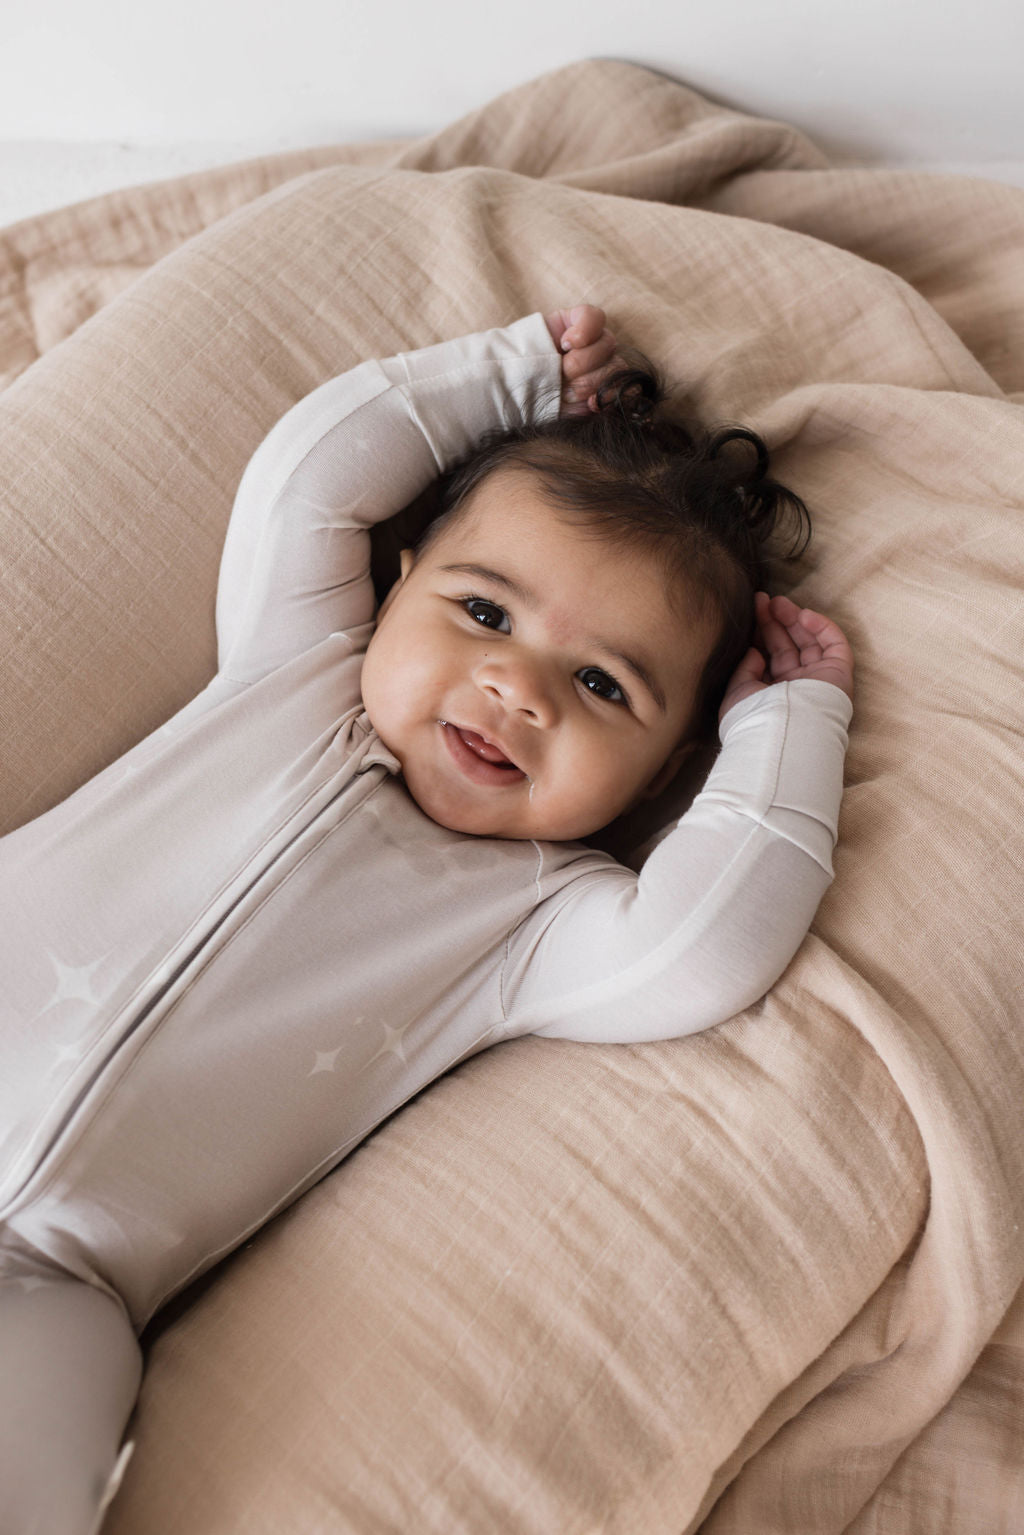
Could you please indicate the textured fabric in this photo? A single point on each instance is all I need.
(752, 1280)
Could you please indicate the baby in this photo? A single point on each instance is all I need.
(355, 859)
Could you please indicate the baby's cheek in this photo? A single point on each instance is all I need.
(617, 792)
(380, 695)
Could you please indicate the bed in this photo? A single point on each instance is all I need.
(765, 1279)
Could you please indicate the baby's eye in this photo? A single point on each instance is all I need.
(487, 613)
(602, 684)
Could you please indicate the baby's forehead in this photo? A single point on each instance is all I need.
(553, 553)
(511, 513)
(560, 546)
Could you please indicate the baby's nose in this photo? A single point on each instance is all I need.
(522, 686)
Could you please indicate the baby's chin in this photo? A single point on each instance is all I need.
(471, 819)
(476, 821)
(500, 822)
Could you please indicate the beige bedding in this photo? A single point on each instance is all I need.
(761, 1280)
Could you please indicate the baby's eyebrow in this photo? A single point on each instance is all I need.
(531, 600)
(485, 573)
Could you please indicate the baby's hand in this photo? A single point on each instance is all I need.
(588, 348)
(799, 644)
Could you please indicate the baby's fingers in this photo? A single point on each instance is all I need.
(588, 349)
(803, 643)
(586, 344)
(814, 628)
(807, 630)
(583, 367)
(584, 325)
(578, 326)
(773, 621)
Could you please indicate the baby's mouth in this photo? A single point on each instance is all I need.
(479, 758)
(484, 748)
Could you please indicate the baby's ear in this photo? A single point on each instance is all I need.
(406, 559)
(668, 770)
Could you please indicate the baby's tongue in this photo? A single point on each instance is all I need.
(481, 747)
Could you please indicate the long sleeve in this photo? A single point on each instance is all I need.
(721, 905)
(296, 561)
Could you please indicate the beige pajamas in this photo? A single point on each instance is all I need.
(232, 954)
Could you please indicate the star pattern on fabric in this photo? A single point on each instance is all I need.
(325, 1061)
(66, 1055)
(392, 1044)
(74, 983)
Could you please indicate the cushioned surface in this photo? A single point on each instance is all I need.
(740, 1280)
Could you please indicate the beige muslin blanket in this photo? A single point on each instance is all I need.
(761, 1280)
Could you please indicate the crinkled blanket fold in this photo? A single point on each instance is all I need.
(761, 1280)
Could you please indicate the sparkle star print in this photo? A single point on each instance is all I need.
(392, 1044)
(74, 983)
(325, 1061)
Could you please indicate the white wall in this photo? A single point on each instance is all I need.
(936, 81)
(924, 78)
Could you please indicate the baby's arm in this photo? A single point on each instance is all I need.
(721, 905)
(296, 562)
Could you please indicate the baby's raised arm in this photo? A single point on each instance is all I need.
(295, 566)
(296, 561)
(721, 904)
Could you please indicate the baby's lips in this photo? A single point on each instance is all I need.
(483, 747)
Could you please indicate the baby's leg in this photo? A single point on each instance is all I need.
(69, 1373)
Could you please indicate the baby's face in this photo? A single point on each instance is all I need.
(532, 679)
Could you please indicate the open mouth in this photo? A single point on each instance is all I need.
(479, 759)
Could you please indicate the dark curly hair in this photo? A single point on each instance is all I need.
(701, 501)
